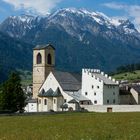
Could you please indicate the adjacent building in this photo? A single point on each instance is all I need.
(100, 88)
(129, 95)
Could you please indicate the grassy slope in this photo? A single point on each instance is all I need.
(131, 76)
(76, 126)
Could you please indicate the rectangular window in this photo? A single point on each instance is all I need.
(97, 86)
(109, 86)
(86, 93)
(94, 93)
(54, 101)
(95, 102)
(113, 93)
(92, 86)
(114, 101)
(107, 101)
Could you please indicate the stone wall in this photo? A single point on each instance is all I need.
(112, 108)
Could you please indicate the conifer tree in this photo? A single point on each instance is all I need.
(12, 97)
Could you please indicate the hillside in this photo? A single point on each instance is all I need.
(13, 54)
(130, 76)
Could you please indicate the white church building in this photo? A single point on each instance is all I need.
(58, 90)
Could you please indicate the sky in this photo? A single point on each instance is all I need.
(123, 9)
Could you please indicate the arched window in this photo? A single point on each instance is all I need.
(39, 58)
(45, 101)
(49, 59)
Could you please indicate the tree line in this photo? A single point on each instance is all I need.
(128, 68)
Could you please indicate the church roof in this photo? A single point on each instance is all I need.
(31, 100)
(73, 101)
(50, 93)
(45, 46)
(68, 81)
(78, 97)
(57, 93)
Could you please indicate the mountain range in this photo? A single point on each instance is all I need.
(82, 39)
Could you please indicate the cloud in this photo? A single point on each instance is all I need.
(114, 5)
(132, 11)
(34, 6)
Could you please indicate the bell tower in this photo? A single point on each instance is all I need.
(43, 63)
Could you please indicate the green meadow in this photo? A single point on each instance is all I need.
(71, 126)
(130, 76)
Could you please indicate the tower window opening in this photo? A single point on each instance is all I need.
(49, 59)
(39, 58)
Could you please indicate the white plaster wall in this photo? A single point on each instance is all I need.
(115, 108)
(52, 83)
(49, 104)
(43, 105)
(40, 108)
(55, 104)
(110, 92)
(31, 107)
(87, 81)
(103, 93)
(135, 95)
(60, 101)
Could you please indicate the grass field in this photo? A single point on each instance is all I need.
(130, 76)
(71, 126)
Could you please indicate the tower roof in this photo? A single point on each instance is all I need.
(45, 46)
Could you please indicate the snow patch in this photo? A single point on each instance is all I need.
(115, 22)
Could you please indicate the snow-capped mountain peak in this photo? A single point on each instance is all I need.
(22, 18)
(98, 17)
(74, 21)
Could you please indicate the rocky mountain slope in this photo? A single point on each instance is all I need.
(81, 38)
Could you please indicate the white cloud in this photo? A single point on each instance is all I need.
(132, 11)
(34, 6)
(114, 5)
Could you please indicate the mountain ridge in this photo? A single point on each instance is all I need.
(82, 38)
(28, 21)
